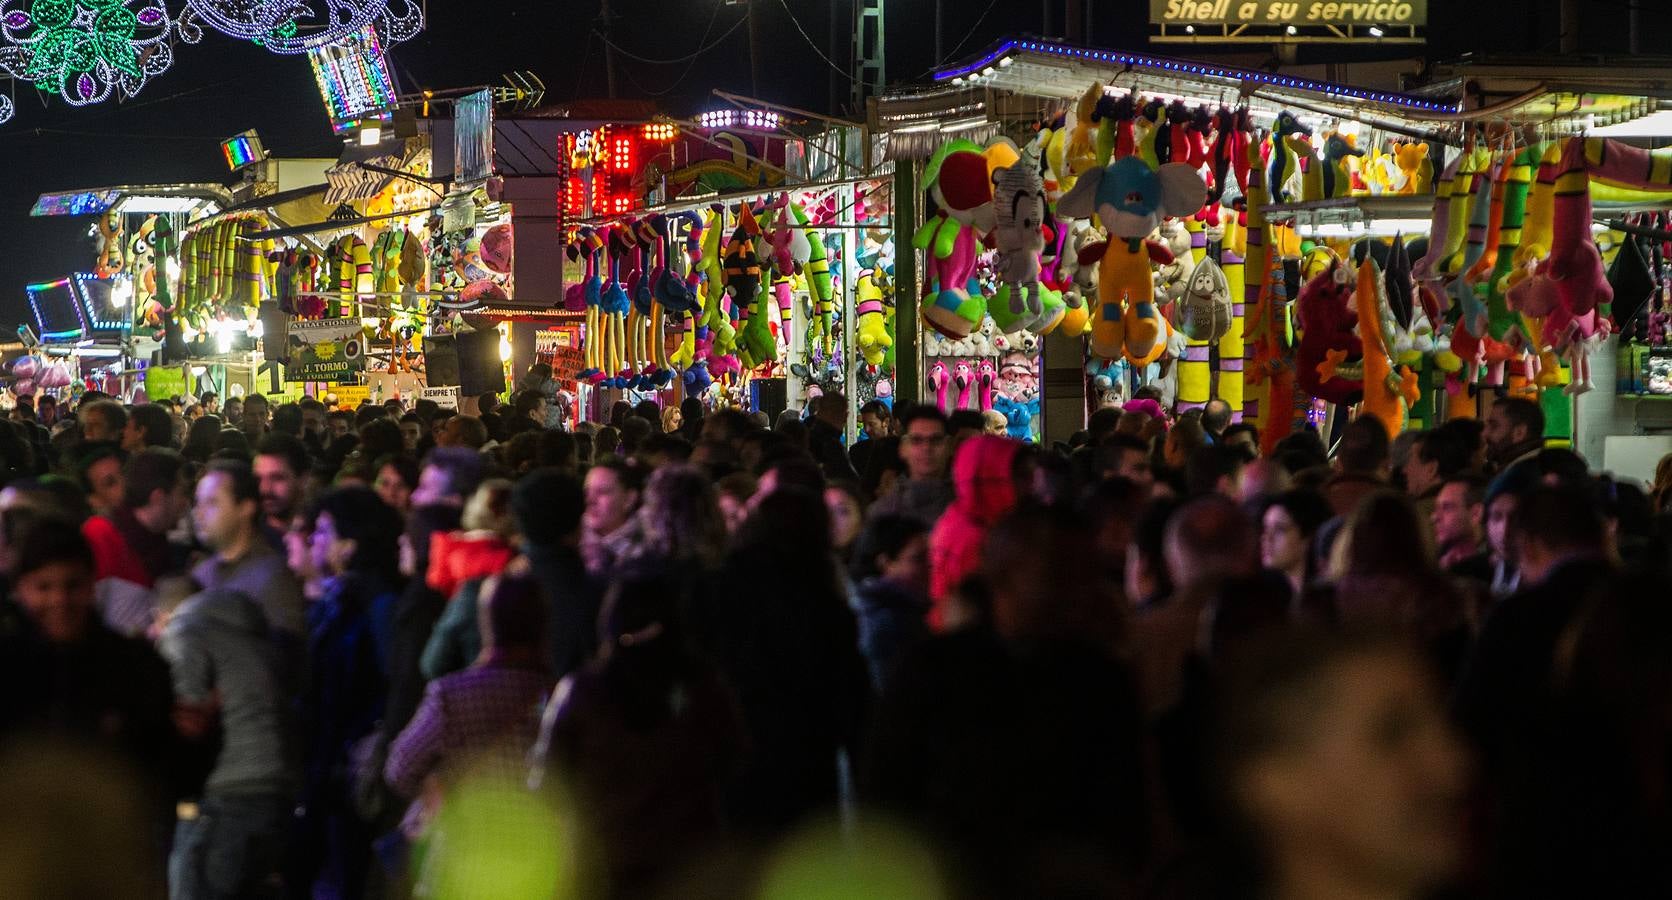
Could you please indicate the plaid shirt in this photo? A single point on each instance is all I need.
(485, 717)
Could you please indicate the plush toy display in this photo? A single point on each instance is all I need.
(1287, 142)
(960, 186)
(1389, 389)
(1409, 158)
(1019, 204)
(1339, 151)
(1329, 357)
(110, 231)
(871, 324)
(1018, 416)
(1130, 199)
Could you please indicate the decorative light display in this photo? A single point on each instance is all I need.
(297, 26)
(601, 168)
(102, 306)
(85, 50)
(56, 311)
(660, 132)
(758, 119)
(353, 77)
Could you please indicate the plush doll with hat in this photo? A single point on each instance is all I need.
(960, 187)
(1131, 198)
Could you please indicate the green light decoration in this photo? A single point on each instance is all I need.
(300, 26)
(85, 50)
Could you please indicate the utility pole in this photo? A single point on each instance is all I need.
(609, 48)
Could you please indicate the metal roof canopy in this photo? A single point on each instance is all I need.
(988, 86)
(140, 198)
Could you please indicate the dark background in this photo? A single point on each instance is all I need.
(171, 131)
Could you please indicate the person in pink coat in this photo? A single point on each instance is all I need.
(987, 479)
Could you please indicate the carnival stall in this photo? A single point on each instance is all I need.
(728, 258)
(1264, 239)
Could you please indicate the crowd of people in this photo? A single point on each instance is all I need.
(258, 650)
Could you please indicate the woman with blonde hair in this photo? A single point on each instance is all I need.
(671, 420)
(1660, 494)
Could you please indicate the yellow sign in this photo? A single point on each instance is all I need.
(1289, 12)
(349, 396)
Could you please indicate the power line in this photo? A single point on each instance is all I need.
(967, 36)
(804, 36)
(671, 62)
(707, 30)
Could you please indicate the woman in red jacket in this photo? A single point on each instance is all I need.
(989, 476)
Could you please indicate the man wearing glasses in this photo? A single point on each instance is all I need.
(925, 492)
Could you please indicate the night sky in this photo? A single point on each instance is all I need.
(220, 87)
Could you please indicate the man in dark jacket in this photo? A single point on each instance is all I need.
(223, 654)
(1510, 699)
(825, 434)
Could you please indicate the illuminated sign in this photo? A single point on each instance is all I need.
(104, 301)
(600, 171)
(76, 203)
(353, 77)
(242, 150)
(56, 310)
(1370, 13)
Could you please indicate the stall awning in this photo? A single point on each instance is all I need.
(1017, 76)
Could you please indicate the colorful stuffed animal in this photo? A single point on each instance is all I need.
(940, 380)
(871, 324)
(110, 233)
(1288, 139)
(952, 238)
(1018, 416)
(1019, 204)
(1409, 158)
(1131, 199)
(743, 285)
(1390, 390)
(1329, 356)
(1337, 171)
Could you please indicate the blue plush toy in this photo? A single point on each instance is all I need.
(697, 379)
(1018, 416)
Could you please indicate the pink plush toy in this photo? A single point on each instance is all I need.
(940, 380)
(964, 375)
(985, 373)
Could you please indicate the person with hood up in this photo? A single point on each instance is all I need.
(989, 476)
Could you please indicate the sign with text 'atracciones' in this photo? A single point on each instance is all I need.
(1289, 12)
(330, 350)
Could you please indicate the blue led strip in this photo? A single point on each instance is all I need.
(91, 316)
(34, 305)
(1192, 68)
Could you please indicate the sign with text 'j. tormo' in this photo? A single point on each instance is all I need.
(1289, 12)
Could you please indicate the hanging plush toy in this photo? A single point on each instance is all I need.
(1389, 389)
(1337, 171)
(959, 185)
(1288, 140)
(1409, 158)
(743, 286)
(110, 244)
(1329, 357)
(1130, 199)
(1019, 202)
(871, 326)
(817, 270)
